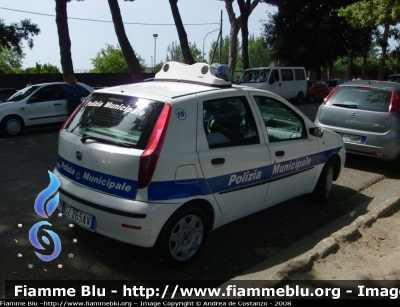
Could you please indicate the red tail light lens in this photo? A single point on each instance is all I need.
(394, 103)
(149, 158)
(330, 94)
(71, 117)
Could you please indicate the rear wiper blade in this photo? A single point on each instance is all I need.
(89, 137)
(350, 106)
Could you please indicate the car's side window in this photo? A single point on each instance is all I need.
(287, 75)
(281, 122)
(229, 122)
(47, 93)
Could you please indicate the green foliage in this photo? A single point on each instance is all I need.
(225, 53)
(11, 35)
(41, 69)
(10, 61)
(175, 53)
(310, 35)
(368, 13)
(258, 52)
(112, 60)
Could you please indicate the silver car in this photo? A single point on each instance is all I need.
(367, 115)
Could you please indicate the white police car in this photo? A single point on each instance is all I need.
(161, 163)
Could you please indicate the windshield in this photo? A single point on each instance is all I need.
(122, 119)
(23, 93)
(254, 76)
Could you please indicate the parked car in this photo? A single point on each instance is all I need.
(367, 115)
(35, 105)
(5, 93)
(332, 83)
(161, 163)
(394, 78)
(316, 90)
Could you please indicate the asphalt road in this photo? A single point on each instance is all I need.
(231, 249)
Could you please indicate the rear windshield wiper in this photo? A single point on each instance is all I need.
(89, 137)
(350, 106)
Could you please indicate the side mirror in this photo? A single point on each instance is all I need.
(316, 131)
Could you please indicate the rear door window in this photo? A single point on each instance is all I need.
(361, 98)
(122, 119)
(287, 75)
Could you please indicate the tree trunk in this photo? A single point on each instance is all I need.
(244, 17)
(236, 24)
(349, 71)
(63, 38)
(364, 66)
(127, 50)
(245, 11)
(187, 55)
(384, 45)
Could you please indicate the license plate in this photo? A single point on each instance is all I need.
(351, 138)
(79, 217)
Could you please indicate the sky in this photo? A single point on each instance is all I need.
(93, 29)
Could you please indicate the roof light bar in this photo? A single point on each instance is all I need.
(201, 73)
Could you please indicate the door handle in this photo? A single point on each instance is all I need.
(218, 161)
(57, 104)
(22, 109)
(280, 153)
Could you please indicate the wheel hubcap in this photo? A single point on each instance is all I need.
(13, 126)
(186, 237)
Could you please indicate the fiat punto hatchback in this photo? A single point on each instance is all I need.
(162, 163)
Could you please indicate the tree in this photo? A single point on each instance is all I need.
(63, 38)
(111, 60)
(175, 54)
(236, 24)
(12, 35)
(10, 61)
(225, 52)
(258, 52)
(372, 13)
(187, 56)
(127, 50)
(302, 33)
(41, 69)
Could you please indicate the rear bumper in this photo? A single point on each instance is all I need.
(384, 146)
(133, 222)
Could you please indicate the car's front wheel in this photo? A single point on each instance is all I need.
(11, 126)
(323, 189)
(183, 236)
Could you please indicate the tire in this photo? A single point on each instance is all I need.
(182, 237)
(300, 98)
(311, 99)
(323, 189)
(11, 126)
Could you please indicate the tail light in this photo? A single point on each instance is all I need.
(149, 158)
(330, 94)
(71, 117)
(394, 103)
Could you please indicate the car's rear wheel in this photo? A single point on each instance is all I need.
(300, 98)
(183, 236)
(11, 126)
(323, 189)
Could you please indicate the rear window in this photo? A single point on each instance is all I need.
(121, 119)
(362, 98)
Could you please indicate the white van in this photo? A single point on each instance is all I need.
(287, 82)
